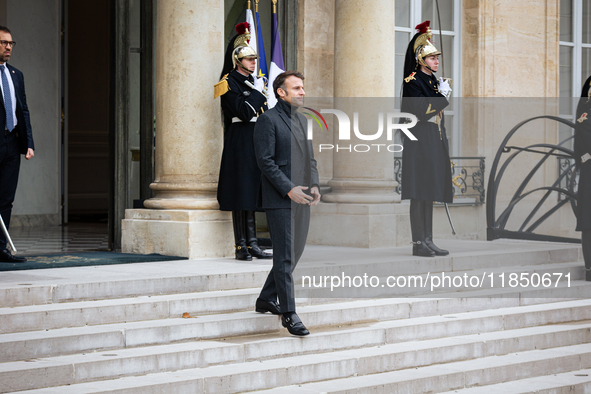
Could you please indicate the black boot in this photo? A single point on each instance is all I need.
(239, 222)
(586, 241)
(417, 226)
(429, 230)
(251, 237)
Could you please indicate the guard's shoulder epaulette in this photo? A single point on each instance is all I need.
(221, 88)
(410, 77)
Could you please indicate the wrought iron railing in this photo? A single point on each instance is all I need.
(567, 166)
(467, 176)
(564, 184)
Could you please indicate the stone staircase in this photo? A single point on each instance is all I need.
(119, 329)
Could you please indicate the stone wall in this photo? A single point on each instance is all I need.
(35, 26)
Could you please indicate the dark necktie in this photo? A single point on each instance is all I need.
(7, 100)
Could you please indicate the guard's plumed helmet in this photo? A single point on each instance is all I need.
(241, 48)
(423, 46)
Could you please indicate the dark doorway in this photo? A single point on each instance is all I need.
(88, 111)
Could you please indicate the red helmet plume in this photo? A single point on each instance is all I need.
(241, 27)
(422, 27)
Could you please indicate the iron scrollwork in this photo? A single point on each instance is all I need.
(564, 185)
(467, 177)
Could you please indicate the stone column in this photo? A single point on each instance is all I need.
(183, 217)
(315, 59)
(362, 198)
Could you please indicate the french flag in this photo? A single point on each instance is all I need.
(277, 65)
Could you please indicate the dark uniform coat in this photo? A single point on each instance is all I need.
(582, 147)
(426, 167)
(239, 173)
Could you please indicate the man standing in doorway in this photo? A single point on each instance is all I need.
(289, 185)
(16, 136)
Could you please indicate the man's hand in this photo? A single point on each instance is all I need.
(30, 153)
(316, 193)
(298, 196)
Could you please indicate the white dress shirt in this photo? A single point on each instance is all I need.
(12, 94)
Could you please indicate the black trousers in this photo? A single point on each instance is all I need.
(10, 161)
(289, 230)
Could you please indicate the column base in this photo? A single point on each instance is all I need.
(184, 233)
(360, 225)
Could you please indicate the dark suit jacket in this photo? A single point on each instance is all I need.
(284, 155)
(23, 129)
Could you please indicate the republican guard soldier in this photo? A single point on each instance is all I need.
(583, 158)
(243, 99)
(426, 166)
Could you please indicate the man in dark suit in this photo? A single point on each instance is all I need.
(289, 185)
(16, 136)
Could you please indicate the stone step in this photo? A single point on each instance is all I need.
(485, 316)
(569, 382)
(63, 370)
(414, 367)
(143, 308)
(51, 286)
(455, 376)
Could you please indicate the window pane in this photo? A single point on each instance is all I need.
(429, 12)
(402, 40)
(586, 65)
(566, 78)
(402, 13)
(565, 132)
(586, 22)
(447, 59)
(566, 20)
(452, 135)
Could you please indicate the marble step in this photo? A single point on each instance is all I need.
(453, 377)
(414, 367)
(488, 314)
(143, 308)
(570, 382)
(144, 279)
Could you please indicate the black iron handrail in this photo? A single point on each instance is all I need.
(496, 225)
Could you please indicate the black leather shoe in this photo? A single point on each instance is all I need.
(242, 253)
(263, 306)
(420, 249)
(433, 247)
(7, 257)
(294, 325)
(257, 252)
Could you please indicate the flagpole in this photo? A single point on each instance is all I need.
(256, 10)
(274, 6)
(254, 32)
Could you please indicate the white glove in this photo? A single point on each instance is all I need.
(259, 84)
(444, 87)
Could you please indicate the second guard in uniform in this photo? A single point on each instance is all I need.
(243, 99)
(426, 166)
(583, 158)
